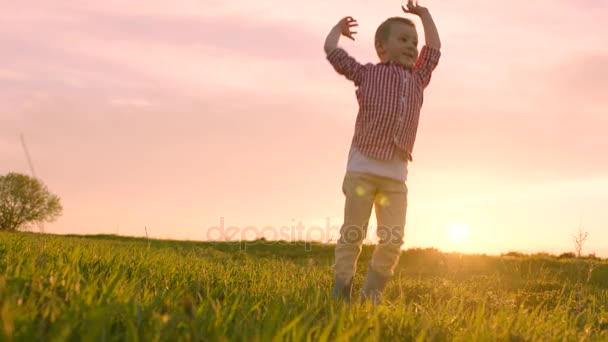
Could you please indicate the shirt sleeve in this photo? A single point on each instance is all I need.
(346, 65)
(426, 63)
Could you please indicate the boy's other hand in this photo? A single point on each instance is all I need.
(346, 25)
(414, 8)
(342, 28)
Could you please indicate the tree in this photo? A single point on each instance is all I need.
(25, 200)
(579, 240)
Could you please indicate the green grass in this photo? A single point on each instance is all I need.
(107, 288)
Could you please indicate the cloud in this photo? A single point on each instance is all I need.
(257, 39)
(130, 102)
(202, 68)
(87, 40)
(6, 148)
(12, 75)
(189, 151)
(565, 189)
(585, 77)
(37, 64)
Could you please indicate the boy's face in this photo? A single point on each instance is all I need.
(401, 46)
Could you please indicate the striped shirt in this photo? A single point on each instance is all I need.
(390, 98)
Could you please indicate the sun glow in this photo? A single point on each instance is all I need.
(459, 232)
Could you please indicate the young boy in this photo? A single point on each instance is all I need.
(390, 96)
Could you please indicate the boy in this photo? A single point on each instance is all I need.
(390, 96)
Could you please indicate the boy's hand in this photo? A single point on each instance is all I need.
(414, 8)
(431, 36)
(346, 25)
(342, 28)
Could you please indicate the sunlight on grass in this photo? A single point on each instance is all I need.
(128, 289)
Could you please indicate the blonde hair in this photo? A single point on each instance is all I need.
(384, 30)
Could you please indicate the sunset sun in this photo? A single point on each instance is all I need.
(459, 232)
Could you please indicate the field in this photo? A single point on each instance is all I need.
(108, 288)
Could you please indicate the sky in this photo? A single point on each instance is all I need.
(184, 118)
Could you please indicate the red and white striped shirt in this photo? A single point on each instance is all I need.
(390, 98)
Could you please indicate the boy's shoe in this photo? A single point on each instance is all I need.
(342, 290)
(373, 286)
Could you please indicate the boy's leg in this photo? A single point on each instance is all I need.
(390, 206)
(359, 192)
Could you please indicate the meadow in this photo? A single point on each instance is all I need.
(110, 288)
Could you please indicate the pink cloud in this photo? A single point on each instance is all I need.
(130, 102)
(12, 75)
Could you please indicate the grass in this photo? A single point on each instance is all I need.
(108, 288)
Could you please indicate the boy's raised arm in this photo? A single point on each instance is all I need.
(431, 35)
(430, 53)
(343, 27)
(339, 59)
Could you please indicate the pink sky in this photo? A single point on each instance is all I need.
(170, 115)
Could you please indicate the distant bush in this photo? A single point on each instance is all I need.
(544, 255)
(591, 256)
(568, 255)
(514, 254)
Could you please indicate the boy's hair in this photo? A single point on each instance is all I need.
(384, 30)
